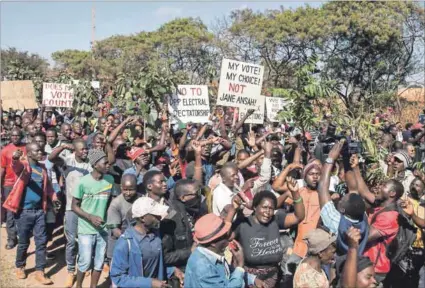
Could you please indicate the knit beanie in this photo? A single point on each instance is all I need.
(95, 155)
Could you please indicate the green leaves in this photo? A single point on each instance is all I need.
(302, 100)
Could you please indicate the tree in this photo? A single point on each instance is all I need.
(370, 47)
(186, 45)
(309, 91)
(21, 65)
(281, 40)
(74, 62)
(182, 46)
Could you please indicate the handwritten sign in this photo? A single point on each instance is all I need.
(273, 106)
(190, 104)
(18, 95)
(58, 95)
(258, 116)
(240, 84)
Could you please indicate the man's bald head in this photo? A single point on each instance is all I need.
(34, 152)
(32, 146)
(129, 187)
(129, 179)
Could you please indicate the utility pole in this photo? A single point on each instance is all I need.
(93, 28)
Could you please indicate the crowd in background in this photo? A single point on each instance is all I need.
(217, 204)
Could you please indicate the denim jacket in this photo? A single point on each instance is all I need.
(127, 266)
(205, 270)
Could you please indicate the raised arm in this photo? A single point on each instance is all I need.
(201, 132)
(183, 139)
(223, 132)
(349, 274)
(361, 185)
(242, 121)
(279, 182)
(265, 170)
(110, 153)
(251, 141)
(248, 161)
(350, 178)
(297, 155)
(408, 209)
(299, 213)
(161, 146)
(114, 134)
(325, 178)
(54, 156)
(198, 161)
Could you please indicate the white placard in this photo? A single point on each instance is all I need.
(190, 104)
(240, 84)
(58, 95)
(273, 106)
(258, 116)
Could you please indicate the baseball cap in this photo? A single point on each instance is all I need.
(135, 152)
(146, 205)
(402, 156)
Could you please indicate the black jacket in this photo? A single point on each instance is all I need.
(177, 236)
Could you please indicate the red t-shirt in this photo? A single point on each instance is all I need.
(6, 163)
(387, 224)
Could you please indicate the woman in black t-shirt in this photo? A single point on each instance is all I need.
(259, 234)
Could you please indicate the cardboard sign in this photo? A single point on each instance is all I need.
(240, 84)
(18, 95)
(274, 105)
(190, 104)
(58, 95)
(258, 116)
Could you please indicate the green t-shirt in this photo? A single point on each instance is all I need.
(94, 197)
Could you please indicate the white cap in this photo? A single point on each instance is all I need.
(146, 205)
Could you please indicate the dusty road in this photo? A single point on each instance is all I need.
(56, 269)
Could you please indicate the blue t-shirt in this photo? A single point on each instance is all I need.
(33, 192)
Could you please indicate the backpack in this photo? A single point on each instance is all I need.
(406, 235)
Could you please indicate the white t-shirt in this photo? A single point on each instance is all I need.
(222, 196)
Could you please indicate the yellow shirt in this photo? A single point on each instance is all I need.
(420, 212)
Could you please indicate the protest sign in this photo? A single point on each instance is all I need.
(240, 84)
(58, 95)
(190, 104)
(18, 95)
(273, 106)
(258, 116)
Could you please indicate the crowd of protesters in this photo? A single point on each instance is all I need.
(218, 204)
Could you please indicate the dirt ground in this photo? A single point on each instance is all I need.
(56, 269)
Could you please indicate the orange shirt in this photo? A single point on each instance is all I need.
(312, 216)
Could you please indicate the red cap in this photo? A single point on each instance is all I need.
(417, 126)
(135, 152)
